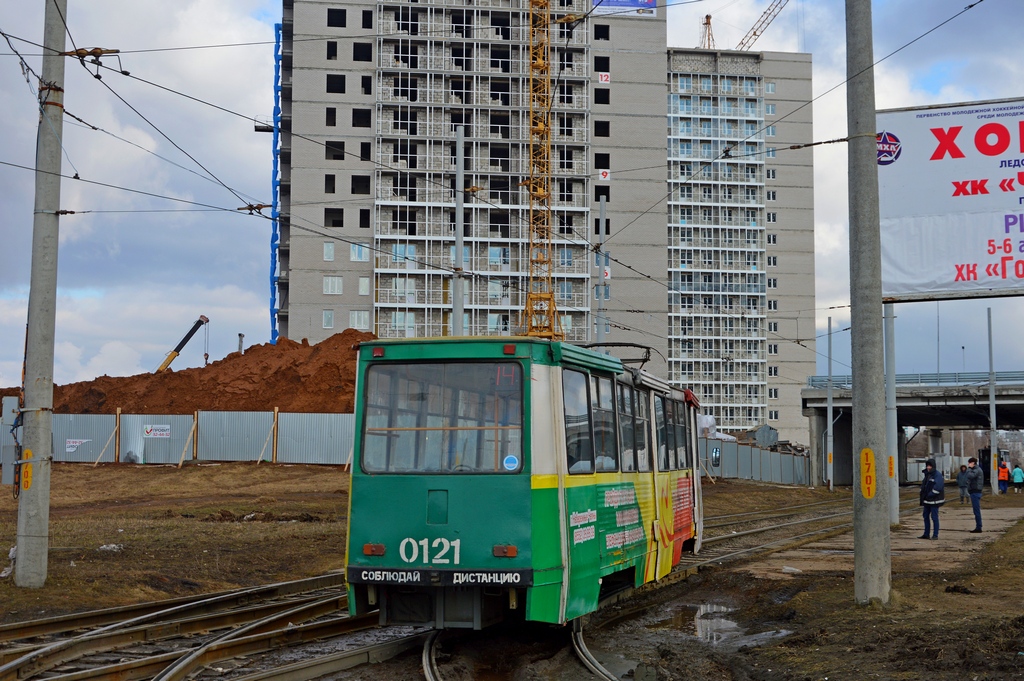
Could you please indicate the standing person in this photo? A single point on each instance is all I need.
(1004, 477)
(1018, 479)
(961, 482)
(933, 495)
(975, 483)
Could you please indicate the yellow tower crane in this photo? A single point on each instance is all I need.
(541, 317)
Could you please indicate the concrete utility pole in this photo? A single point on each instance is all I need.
(891, 424)
(37, 454)
(830, 438)
(993, 434)
(458, 298)
(872, 567)
(601, 281)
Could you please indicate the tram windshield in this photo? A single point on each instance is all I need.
(443, 418)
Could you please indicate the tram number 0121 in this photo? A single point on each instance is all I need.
(419, 550)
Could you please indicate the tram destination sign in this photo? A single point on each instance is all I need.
(951, 200)
(432, 577)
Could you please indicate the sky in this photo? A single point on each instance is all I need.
(136, 270)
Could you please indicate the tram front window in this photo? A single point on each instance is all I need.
(443, 418)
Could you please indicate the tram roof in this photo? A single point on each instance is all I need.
(560, 352)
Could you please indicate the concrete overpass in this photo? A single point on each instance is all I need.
(946, 400)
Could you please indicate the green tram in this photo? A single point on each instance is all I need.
(513, 477)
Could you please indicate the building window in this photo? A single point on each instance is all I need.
(769, 152)
(773, 282)
(771, 195)
(773, 261)
(364, 218)
(336, 18)
(602, 96)
(602, 161)
(364, 286)
(362, 52)
(332, 117)
(336, 83)
(367, 18)
(365, 151)
(602, 190)
(602, 64)
(564, 257)
(773, 371)
(328, 319)
(334, 217)
(773, 348)
(769, 131)
(771, 217)
(769, 109)
(602, 129)
(360, 118)
(334, 150)
(773, 305)
(602, 32)
(359, 253)
(773, 327)
(367, 84)
(332, 286)
(769, 88)
(360, 184)
(769, 174)
(328, 251)
(564, 290)
(772, 239)
(332, 50)
(773, 414)
(359, 319)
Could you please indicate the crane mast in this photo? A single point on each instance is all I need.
(540, 312)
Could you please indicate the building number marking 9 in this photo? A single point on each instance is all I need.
(410, 548)
(868, 474)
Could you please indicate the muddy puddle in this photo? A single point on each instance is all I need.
(710, 623)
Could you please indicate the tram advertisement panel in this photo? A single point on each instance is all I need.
(951, 200)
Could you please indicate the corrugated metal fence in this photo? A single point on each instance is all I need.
(312, 439)
(725, 459)
(207, 436)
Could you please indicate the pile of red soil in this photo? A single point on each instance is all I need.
(295, 377)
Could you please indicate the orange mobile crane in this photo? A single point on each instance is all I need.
(202, 321)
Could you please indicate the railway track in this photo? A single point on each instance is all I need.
(190, 635)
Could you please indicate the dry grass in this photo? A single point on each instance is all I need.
(178, 532)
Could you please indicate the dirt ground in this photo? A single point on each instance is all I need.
(125, 533)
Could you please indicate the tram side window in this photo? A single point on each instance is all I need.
(682, 442)
(642, 432)
(670, 434)
(662, 434)
(627, 441)
(579, 447)
(602, 403)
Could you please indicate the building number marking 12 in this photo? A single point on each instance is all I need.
(868, 474)
(409, 550)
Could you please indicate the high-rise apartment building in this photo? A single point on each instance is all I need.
(741, 235)
(371, 98)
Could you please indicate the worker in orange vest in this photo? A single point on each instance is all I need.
(1004, 477)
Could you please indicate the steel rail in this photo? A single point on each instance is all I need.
(188, 626)
(336, 662)
(63, 623)
(129, 630)
(197, 657)
(586, 657)
(429, 656)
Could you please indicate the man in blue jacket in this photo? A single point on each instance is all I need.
(933, 495)
(975, 484)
